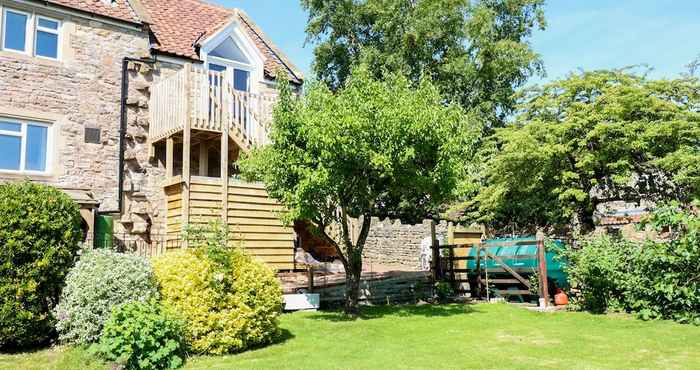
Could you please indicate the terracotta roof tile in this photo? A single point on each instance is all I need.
(179, 24)
(117, 9)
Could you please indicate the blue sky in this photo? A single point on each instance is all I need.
(586, 34)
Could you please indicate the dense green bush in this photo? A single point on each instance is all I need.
(101, 280)
(39, 238)
(139, 335)
(653, 279)
(229, 301)
(598, 273)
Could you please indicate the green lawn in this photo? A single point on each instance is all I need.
(444, 337)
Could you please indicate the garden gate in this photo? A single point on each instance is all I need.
(479, 270)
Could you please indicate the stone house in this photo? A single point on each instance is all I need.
(139, 109)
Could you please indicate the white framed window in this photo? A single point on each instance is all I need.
(31, 34)
(47, 37)
(25, 146)
(15, 30)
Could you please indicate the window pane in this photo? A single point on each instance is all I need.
(35, 159)
(15, 30)
(47, 23)
(46, 44)
(10, 147)
(240, 80)
(216, 67)
(10, 126)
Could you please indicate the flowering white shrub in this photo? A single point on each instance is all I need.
(100, 280)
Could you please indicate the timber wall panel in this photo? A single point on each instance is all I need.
(252, 216)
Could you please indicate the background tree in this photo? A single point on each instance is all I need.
(373, 148)
(476, 53)
(592, 138)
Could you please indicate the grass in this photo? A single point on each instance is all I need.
(447, 337)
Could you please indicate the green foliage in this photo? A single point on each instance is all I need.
(654, 279)
(39, 239)
(100, 281)
(444, 291)
(592, 138)
(140, 335)
(229, 301)
(476, 53)
(598, 271)
(374, 148)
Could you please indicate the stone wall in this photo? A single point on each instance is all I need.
(144, 204)
(393, 244)
(81, 90)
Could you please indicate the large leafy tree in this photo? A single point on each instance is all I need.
(373, 148)
(475, 52)
(592, 138)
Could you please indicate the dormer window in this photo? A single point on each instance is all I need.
(235, 55)
(229, 57)
(230, 51)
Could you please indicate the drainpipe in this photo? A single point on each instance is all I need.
(122, 130)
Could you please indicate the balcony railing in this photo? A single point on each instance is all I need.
(206, 100)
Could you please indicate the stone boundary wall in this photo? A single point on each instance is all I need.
(376, 288)
(394, 244)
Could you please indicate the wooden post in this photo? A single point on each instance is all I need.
(436, 252)
(542, 259)
(224, 174)
(186, 146)
(203, 159)
(310, 274)
(169, 157)
(476, 291)
(451, 264)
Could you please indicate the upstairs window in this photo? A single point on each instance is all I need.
(14, 30)
(24, 146)
(46, 44)
(30, 34)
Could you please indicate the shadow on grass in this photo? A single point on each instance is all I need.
(376, 312)
(283, 336)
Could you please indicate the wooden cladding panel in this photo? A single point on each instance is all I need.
(233, 221)
(252, 216)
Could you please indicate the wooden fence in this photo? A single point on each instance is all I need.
(451, 263)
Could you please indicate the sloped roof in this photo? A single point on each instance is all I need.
(116, 9)
(180, 25)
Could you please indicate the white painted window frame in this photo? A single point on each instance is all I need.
(28, 31)
(22, 134)
(32, 29)
(247, 46)
(58, 32)
(230, 66)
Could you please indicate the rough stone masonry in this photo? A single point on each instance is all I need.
(391, 243)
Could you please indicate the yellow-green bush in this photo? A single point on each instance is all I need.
(228, 305)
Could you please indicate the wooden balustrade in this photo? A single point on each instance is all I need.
(208, 100)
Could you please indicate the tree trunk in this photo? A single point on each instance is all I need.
(353, 265)
(352, 290)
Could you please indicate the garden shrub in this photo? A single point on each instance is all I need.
(598, 271)
(39, 239)
(655, 279)
(229, 301)
(101, 280)
(140, 335)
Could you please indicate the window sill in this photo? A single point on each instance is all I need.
(31, 59)
(19, 175)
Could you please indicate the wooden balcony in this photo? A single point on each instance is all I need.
(205, 124)
(199, 100)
